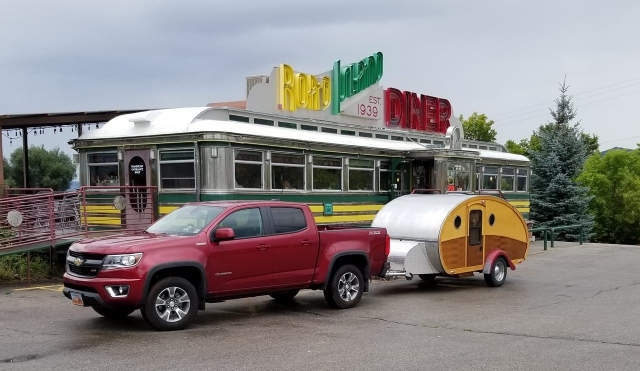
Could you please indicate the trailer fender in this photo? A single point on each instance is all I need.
(491, 258)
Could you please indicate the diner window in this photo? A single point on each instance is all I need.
(309, 127)
(395, 137)
(177, 169)
(288, 125)
(248, 169)
(490, 177)
(361, 173)
(347, 132)
(260, 121)
(287, 171)
(522, 180)
(507, 179)
(330, 130)
(327, 173)
(385, 176)
(458, 177)
(381, 136)
(103, 169)
(238, 118)
(364, 134)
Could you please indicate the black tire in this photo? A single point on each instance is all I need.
(498, 273)
(285, 296)
(113, 313)
(427, 277)
(332, 293)
(162, 289)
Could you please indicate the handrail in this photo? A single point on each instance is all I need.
(552, 232)
(425, 190)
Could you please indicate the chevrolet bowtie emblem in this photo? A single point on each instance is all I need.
(78, 261)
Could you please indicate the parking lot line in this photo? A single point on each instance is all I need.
(50, 288)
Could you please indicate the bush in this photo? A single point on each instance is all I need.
(14, 267)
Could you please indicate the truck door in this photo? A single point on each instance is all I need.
(295, 246)
(246, 262)
(475, 235)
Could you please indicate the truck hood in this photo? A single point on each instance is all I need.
(120, 244)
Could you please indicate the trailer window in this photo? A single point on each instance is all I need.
(361, 174)
(475, 227)
(177, 169)
(507, 179)
(103, 169)
(287, 171)
(327, 173)
(248, 169)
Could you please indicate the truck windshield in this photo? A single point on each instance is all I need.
(186, 221)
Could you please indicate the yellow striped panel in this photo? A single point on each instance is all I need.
(100, 215)
(521, 205)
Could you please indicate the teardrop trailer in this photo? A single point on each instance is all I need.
(453, 235)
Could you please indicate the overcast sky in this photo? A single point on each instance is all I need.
(489, 56)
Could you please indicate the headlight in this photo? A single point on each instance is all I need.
(121, 261)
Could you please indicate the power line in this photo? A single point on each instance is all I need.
(590, 96)
(584, 92)
(581, 105)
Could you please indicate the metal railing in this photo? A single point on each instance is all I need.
(549, 233)
(45, 219)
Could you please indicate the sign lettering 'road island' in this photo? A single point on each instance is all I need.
(349, 94)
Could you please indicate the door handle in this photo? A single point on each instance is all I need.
(262, 247)
(305, 242)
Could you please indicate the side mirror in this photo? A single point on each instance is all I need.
(223, 234)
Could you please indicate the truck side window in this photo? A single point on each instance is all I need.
(475, 227)
(288, 219)
(245, 223)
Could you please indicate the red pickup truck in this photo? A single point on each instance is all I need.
(209, 252)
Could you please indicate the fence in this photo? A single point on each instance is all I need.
(551, 231)
(45, 219)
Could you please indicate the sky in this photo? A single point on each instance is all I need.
(501, 58)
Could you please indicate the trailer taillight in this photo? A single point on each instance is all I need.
(387, 245)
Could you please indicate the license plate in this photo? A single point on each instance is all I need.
(77, 299)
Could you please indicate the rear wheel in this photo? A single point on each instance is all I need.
(172, 304)
(112, 313)
(498, 273)
(345, 287)
(285, 296)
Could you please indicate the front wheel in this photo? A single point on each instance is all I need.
(345, 287)
(498, 273)
(112, 313)
(172, 304)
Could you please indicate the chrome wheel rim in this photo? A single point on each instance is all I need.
(348, 286)
(172, 304)
(498, 271)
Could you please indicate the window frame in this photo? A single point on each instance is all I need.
(192, 161)
(381, 170)
(371, 169)
(512, 176)
(314, 166)
(235, 154)
(278, 164)
(96, 164)
(526, 179)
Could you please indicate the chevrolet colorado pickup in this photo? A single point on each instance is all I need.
(209, 252)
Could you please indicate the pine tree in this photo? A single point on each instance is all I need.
(556, 197)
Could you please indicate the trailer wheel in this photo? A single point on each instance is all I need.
(345, 288)
(285, 296)
(172, 304)
(112, 313)
(498, 273)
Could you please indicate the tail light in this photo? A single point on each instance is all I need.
(387, 245)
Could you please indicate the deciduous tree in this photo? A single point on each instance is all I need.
(478, 127)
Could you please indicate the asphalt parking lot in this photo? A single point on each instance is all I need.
(570, 308)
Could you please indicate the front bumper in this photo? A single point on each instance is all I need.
(93, 292)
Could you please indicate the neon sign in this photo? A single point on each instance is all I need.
(406, 110)
(301, 90)
(354, 78)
